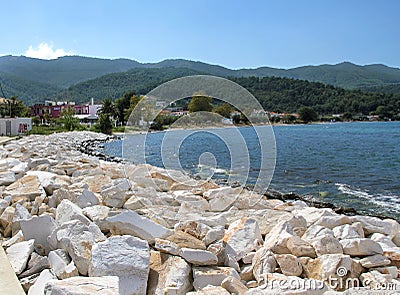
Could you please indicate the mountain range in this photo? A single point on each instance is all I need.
(34, 80)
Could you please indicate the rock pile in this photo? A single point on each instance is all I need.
(75, 224)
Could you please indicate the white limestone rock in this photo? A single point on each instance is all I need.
(18, 237)
(375, 280)
(98, 214)
(59, 261)
(360, 247)
(67, 211)
(248, 258)
(220, 199)
(32, 163)
(276, 239)
(198, 257)
(77, 239)
(26, 188)
(50, 181)
(374, 261)
(38, 287)
(204, 276)
(115, 195)
(167, 272)
(214, 234)
(289, 264)
(242, 236)
(388, 270)
(263, 262)
(126, 257)
(106, 285)
(234, 285)
(315, 231)
(372, 225)
(131, 223)
(331, 267)
(333, 221)
(87, 199)
(326, 245)
(166, 246)
(39, 228)
(18, 255)
(6, 178)
(300, 248)
(348, 231)
(384, 241)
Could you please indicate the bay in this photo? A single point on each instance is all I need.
(348, 164)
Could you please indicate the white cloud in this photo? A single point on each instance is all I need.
(46, 51)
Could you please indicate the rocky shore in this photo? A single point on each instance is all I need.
(73, 223)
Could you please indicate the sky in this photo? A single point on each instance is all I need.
(234, 34)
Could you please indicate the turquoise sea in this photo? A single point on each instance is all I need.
(348, 164)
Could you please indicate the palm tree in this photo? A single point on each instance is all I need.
(106, 112)
(108, 108)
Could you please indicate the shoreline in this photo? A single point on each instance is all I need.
(94, 211)
(94, 148)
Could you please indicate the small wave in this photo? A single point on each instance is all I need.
(391, 202)
(219, 171)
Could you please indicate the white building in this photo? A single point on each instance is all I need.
(15, 126)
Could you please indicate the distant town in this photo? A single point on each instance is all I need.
(55, 116)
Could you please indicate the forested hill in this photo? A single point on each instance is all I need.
(274, 93)
(116, 85)
(69, 70)
(288, 95)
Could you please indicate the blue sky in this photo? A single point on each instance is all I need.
(235, 34)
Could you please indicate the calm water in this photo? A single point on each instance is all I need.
(349, 164)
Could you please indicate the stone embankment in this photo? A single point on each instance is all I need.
(72, 223)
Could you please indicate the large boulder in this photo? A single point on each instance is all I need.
(220, 199)
(326, 245)
(360, 247)
(67, 211)
(39, 228)
(167, 271)
(126, 257)
(50, 181)
(18, 255)
(372, 225)
(276, 240)
(242, 236)
(349, 231)
(289, 264)
(374, 261)
(198, 257)
(77, 239)
(263, 262)
(38, 287)
(107, 285)
(26, 188)
(115, 195)
(332, 268)
(300, 248)
(6, 178)
(131, 223)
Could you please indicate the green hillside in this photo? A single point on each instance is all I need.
(29, 91)
(116, 85)
(70, 70)
(274, 93)
(64, 71)
(391, 88)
